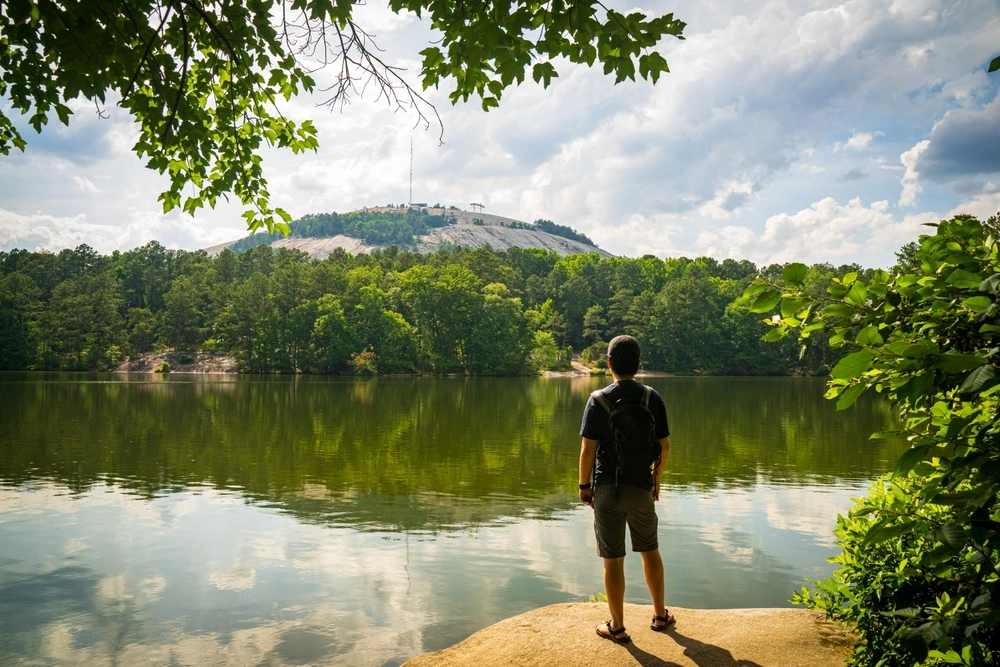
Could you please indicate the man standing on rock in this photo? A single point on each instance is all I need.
(625, 445)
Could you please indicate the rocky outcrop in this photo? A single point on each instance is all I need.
(178, 362)
(501, 238)
(471, 230)
(562, 635)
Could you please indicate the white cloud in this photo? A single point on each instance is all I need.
(859, 141)
(825, 231)
(39, 230)
(86, 184)
(911, 178)
(982, 205)
(728, 199)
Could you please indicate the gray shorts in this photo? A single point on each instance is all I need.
(616, 506)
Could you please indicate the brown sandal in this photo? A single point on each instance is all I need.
(612, 633)
(666, 621)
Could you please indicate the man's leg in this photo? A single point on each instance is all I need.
(652, 570)
(614, 587)
(609, 528)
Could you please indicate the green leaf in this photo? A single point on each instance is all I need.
(979, 379)
(937, 555)
(881, 532)
(964, 279)
(544, 73)
(916, 387)
(908, 612)
(990, 284)
(994, 65)
(775, 334)
(63, 112)
(920, 349)
(754, 289)
(910, 458)
(284, 216)
(869, 336)
(790, 306)
(953, 535)
(850, 395)
(853, 365)
(857, 294)
(838, 310)
(958, 363)
(795, 274)
(977, 303)
(952, 498)
(765, 301)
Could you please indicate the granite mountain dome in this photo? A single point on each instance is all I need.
(424, 229)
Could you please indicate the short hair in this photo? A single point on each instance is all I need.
(623, 352)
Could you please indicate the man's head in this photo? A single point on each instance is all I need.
(623, 355)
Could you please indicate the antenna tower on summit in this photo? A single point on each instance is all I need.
(474, 206)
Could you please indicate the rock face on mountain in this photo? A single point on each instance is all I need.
(468, 229)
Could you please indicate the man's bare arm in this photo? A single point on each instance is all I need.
(660, 465)
(588, 451)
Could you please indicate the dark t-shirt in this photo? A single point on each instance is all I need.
(595, 426)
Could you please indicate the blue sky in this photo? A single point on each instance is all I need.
(810, 131)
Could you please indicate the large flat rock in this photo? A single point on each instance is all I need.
(563, 635)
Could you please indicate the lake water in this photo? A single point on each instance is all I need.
(180, 520)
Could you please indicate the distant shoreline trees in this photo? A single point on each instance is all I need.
(475, 312)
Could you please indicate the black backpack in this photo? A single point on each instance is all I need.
(633, 436)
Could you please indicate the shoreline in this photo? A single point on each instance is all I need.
(562, 635)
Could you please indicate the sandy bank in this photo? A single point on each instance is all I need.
(579, 370)
(562, 635)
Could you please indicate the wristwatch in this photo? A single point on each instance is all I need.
(583, 487)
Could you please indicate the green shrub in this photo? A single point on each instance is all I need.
(185, 359)
(364, 363)
(162, 367)
(212, 345)
(113, 356)
(594, 355)
(918, 576)
(544, 352)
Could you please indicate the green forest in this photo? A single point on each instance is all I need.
(475, 312)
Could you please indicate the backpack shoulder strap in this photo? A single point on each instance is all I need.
(601, 399)
(647, 393)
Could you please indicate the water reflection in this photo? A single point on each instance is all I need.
(413, 454)
(287, 522)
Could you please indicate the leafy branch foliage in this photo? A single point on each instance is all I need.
(919, 568)
(203, 78)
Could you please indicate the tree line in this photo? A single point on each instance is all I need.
(467, 311)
